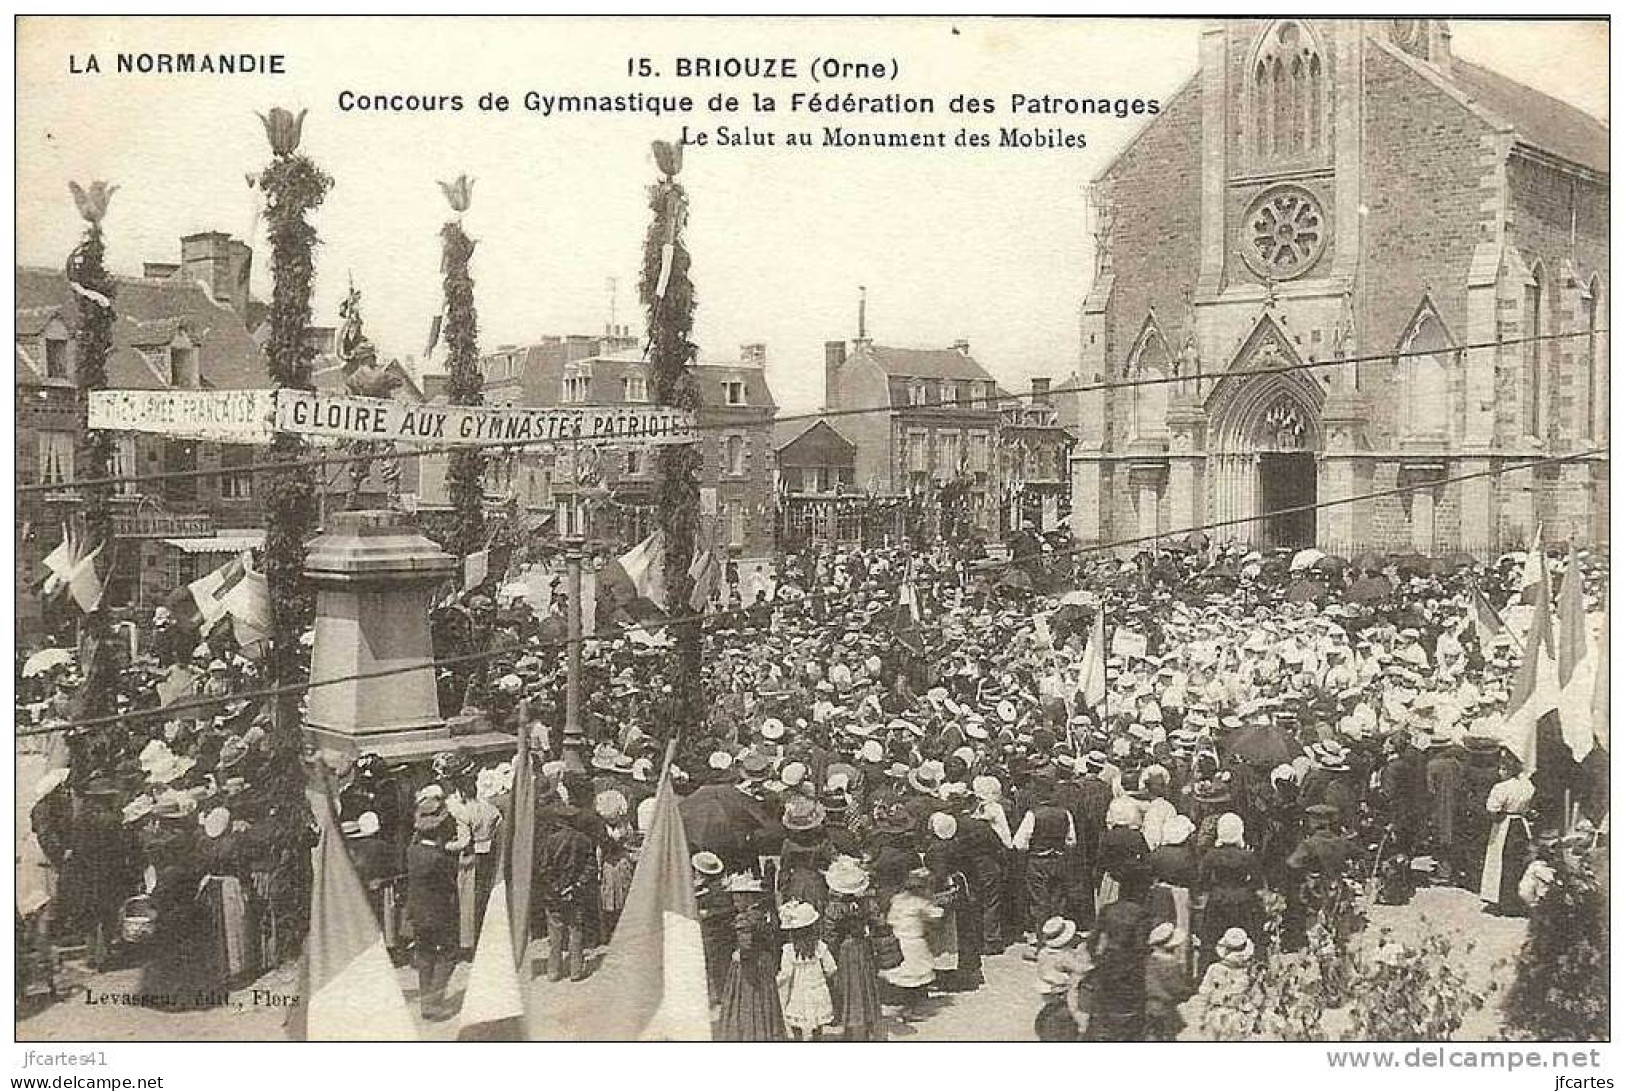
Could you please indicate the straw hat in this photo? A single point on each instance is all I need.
(803, 813)
(1165, 935)
(1057, 932)
(794, 915)
(846, 876)
(1235, 942)
(707, 863)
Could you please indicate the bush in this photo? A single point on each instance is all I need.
(1560, 990)
(1409, 992)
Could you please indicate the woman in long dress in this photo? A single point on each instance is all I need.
(751, 1011)
(1507, 853)
(850, 919)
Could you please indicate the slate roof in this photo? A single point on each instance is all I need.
(1541, 121)
(149, 312)
(947, 363)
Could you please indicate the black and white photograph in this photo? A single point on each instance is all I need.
(951, 529)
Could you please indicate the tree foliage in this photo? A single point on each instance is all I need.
(1559, 992)
(465, 385)
(670, 316)
(294, 187)
(93, 291)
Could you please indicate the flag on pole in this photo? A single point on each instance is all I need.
(1534, 571)
(1092, 682)
(434, 337)
(1576, 663)
(907, 624)
(651, 985)
(494, 1001)
(645, 566)
(1486, 622)
(706, 572)
(1599, 687)
(74, 570)
(347, 986)
(247, 598)
(198, 605)
(522, 841)
(476, 567)
(1535, 689)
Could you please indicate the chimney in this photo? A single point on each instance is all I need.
(753, 354)
(1040, 390)
(834, 357)
(863, 313)
(962, 347)
(221, 264)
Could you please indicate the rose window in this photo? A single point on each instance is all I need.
(1286, 232)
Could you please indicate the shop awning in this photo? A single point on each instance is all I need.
(219, 543)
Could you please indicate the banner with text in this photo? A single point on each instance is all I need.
(225, 416)
(380, 419)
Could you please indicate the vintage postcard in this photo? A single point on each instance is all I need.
(935, 529)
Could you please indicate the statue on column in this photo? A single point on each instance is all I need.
(364, 377)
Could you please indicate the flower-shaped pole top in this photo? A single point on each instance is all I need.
(282, 130)
(668, 157)
(92, 202)
(459, 194)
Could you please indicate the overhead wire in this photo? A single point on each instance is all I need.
(497, 651)
(992, 401)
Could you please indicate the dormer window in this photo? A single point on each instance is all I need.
(635, 388)
(183, 373)
(916, 393)
(577, 386)
(58, 358)
(950, 393)
(733, 392)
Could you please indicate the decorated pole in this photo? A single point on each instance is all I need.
(293, 187)
(465, 472)
(92, 289)
(668, 300)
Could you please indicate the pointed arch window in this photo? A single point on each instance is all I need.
(1151, 360)
(1288, 95)
(1426, 352)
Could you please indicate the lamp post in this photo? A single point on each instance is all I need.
(572, 535)
(586, 477)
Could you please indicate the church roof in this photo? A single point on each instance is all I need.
(1541, 121)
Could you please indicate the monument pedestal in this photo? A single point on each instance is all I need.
(375, 576)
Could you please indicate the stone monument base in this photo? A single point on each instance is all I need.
(413, 744)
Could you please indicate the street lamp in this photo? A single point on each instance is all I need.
(571, 520)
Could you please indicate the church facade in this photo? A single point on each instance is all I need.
(1347, 193)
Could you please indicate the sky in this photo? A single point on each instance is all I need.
(992, 246)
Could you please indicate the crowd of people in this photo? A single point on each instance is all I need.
(898, 777)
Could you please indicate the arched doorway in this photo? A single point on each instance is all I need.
(1263, 441)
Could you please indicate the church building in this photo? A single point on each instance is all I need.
(1328, 190)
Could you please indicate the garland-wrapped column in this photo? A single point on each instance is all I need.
(92, 342)
(668, 299)
(465, 472)
(294, 187)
